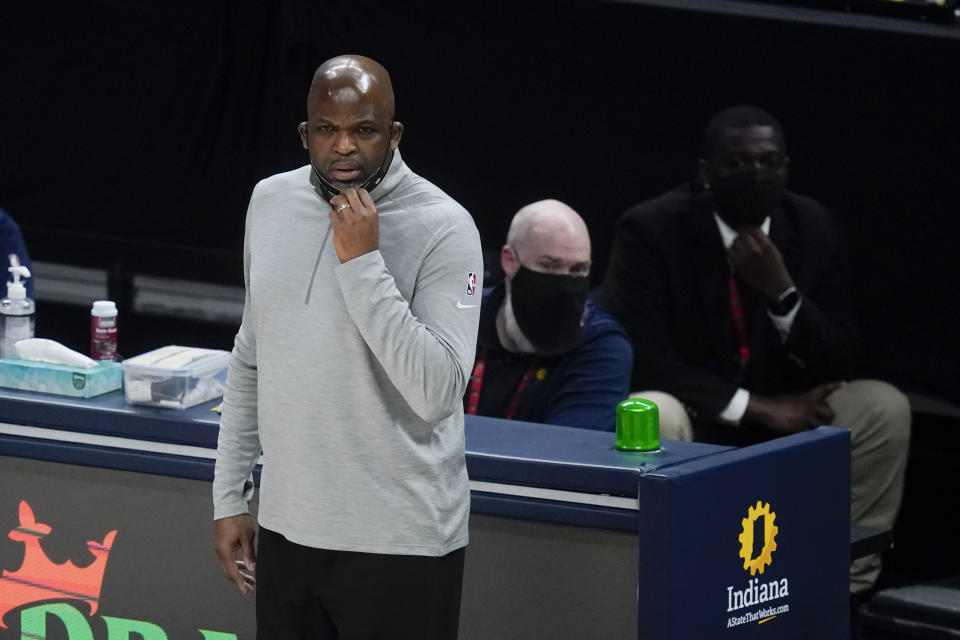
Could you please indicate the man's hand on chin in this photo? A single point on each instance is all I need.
(356, 224)
(758, 261)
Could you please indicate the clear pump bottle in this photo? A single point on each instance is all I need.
(17, 313)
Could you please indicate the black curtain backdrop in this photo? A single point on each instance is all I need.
(132, 133)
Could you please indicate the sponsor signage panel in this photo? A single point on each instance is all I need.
(752, 543)
(110, 555)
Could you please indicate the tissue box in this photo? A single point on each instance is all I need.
(174, 377)
(61, 379)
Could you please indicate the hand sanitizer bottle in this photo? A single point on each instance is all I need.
(17, 313)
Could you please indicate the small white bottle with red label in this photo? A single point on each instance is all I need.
(103, 330)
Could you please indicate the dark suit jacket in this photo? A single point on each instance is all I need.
(667, 285)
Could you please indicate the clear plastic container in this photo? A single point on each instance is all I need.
(175, 377)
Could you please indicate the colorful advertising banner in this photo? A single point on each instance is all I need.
(110, 555)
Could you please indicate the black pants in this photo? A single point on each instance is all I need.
(306, 594)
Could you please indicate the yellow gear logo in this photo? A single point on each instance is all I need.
(764, 559)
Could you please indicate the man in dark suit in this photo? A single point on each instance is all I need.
(735, 294)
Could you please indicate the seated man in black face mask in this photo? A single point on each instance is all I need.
(735, 293)
(544, 353)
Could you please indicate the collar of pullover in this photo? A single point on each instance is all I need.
(394, 175)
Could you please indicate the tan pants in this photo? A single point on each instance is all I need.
(878, 417)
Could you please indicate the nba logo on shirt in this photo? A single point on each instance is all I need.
(471, 283)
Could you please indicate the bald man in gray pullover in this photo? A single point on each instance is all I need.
(356, 345)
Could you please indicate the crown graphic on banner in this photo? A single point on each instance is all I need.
(38, 578)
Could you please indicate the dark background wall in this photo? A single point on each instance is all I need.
(131, 134)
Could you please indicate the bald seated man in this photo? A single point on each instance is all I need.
(357, 341)
(544, 353)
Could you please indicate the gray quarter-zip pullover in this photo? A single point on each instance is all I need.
(350, 376)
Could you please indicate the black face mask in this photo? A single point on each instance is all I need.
(327, 190)
(549, 309)
(749, 196)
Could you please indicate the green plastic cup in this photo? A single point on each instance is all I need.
(638, 425)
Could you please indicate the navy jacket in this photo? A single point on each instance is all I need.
(578, 389)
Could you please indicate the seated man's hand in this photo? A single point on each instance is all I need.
(791, 413)
(230, 534)
(758, 261)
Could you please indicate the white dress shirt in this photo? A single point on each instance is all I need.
(737, 406)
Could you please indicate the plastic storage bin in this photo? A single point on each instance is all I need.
(174, 377)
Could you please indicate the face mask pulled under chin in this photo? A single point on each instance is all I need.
(328, 190)
(549, 309)
(748, 196)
